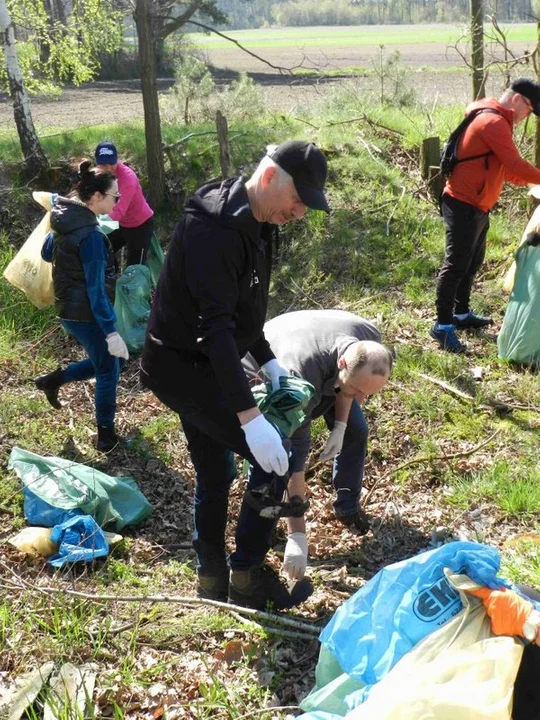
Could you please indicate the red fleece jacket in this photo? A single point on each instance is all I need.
(470, 181)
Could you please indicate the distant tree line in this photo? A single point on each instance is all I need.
(263, 13)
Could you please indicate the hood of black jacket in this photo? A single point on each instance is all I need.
(69, 215)
(227, 203)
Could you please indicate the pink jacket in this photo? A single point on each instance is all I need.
(132, 209)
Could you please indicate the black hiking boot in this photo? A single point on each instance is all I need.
(261, 586)
(213, 587)
(50, 384)
(107, 439)
(472, 322)
(357, 520)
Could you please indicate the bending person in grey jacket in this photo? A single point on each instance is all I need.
(340, 354)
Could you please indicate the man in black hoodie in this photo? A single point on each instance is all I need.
(209, 311)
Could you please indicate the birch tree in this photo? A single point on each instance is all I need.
(31, 148)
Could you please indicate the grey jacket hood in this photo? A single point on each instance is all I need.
(69, 214)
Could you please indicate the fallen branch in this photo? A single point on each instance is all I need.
(252, 713)
(181, 600)
(446, 386)
(369, 120)
(490, 404)
(274, 631)
(41, 339)
(429, 459)
(186, 138)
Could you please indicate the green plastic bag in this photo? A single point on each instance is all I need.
(155, 259)
(519, 338)
(69, 485)
(132, 305)
(284, 407)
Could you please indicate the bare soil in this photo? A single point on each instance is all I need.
(436, 73)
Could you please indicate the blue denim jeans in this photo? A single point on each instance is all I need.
(213, 435)
(348, 470)
(100, 364)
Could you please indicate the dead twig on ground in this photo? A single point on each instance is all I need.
(181, 600)
(489, 404)
(274, 631)
(429, 459)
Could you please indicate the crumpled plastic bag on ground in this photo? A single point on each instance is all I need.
(79, 539)
(56, 489)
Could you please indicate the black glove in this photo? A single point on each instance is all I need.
(533, 238)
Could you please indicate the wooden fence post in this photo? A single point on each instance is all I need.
(223, 139)
(430, 154)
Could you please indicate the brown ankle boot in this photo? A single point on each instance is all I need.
(260, 587)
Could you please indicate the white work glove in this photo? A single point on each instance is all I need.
(334, 442)
(273, 371)
(295, 560)
(265, 443)
(117, 346)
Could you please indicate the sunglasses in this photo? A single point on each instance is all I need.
(116, 196)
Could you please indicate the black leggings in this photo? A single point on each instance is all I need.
(136, 239)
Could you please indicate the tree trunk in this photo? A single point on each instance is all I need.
(152, 122)
(537, 120)
(477, 49)
(35, 158)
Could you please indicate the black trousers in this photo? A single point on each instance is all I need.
(466, 231)
(213, 435)
(137, 240)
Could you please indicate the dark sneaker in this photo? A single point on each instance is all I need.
(261, 586)
(213, 587)
(357, 520)
(107, 439)
(447, 339)
(472, 321)
(50, 384)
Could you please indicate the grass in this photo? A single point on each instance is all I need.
(377, 254)
(351, 36)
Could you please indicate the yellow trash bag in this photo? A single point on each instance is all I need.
(460, 672)
(532, 225)
(27, 271)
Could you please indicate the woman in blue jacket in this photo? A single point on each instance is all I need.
(84, 283)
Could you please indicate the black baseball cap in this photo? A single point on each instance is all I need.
(308, 168)
(530, 90)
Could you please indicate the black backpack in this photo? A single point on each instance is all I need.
(449, 158)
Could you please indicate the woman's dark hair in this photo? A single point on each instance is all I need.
(90, 181)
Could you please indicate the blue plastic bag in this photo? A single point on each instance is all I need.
(38, 512)
(402, 604)
(80, 539)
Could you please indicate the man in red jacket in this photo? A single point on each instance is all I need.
(487, 157)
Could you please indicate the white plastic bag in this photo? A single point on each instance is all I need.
(28, 271)
(460, 672)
